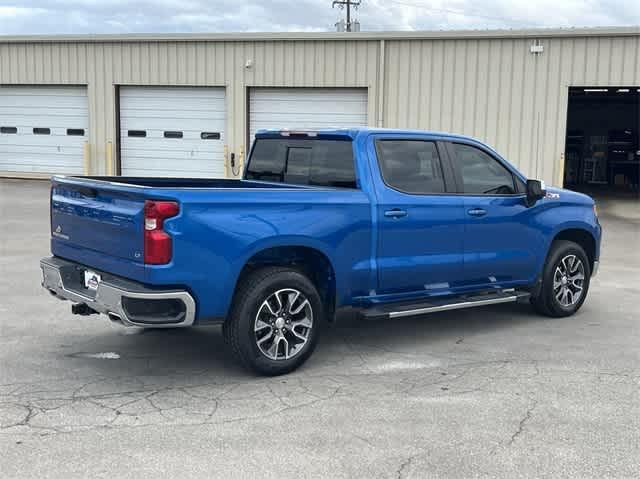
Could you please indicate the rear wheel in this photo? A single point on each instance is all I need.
(565, 280)
(275, 319)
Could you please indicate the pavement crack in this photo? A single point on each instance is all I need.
(29, 413)
(404, 468)
(522, 423)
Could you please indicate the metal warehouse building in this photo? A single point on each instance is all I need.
(560, 104)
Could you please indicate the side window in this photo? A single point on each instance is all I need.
(210, 135)
(333, 164)
(173, 134)
(411, 166)
(481, 173)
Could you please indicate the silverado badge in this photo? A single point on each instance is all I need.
(58, 233)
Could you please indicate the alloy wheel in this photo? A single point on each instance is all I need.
(283, 324)
(568, 280)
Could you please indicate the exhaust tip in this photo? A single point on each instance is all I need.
(82, 309)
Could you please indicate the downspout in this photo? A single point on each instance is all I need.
(381, 74)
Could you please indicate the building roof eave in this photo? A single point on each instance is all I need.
(537, 33)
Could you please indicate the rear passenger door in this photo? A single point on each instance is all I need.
(499, 242)
(420, 222)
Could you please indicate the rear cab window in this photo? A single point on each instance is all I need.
(317, 162)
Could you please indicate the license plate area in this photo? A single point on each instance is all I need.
(91, 280)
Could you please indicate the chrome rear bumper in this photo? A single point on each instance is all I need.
(132, 303)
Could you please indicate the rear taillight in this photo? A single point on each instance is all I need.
(157, 243)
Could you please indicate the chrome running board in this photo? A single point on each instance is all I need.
(434, 305)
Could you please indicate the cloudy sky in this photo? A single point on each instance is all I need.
(146, 16)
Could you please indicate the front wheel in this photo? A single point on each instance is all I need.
(275, 319)
(565, 280)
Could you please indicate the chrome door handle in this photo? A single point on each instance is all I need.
(477, 212)
(395, 213)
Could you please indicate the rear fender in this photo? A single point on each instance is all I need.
(289, 241)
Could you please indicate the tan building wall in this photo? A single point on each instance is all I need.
(486, 84)
(498, 91)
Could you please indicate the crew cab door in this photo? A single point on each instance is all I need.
(499, 237)
(420, 223)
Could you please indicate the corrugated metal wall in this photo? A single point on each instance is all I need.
(492, 88)
(103, 65)
(498, 91)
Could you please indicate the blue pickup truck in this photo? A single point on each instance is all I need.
(388, 223)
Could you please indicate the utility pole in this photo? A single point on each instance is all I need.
(347, 3)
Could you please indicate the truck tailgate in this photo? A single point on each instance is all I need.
(98, 219)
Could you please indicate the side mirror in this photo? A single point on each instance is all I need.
(536, 190)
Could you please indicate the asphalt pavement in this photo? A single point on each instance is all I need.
(491, 392)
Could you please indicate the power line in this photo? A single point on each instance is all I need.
(348, 4)
(458, 12)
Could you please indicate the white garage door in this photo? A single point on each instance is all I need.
(172, 131)
(306, 108)
(43, 129)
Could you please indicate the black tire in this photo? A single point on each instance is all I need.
(546, 302)
(238, 329)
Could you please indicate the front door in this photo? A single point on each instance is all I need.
(420, 224)
(499, 241)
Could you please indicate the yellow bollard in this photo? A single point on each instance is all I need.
(109, 158)
(226, 161)
(241, 161)
(86, 157)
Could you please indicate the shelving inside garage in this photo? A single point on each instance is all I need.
(602, 153)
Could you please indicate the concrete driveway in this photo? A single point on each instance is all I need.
(490, 392)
